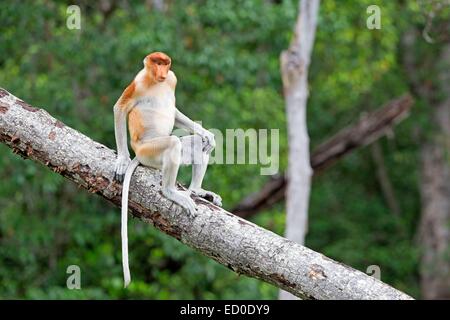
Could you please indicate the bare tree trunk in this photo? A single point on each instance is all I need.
(294, 68)
(367, 130)
(435, 191)
(434, 229)
(234, 242)
(434, 225)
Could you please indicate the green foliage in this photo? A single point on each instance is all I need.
(226, 57)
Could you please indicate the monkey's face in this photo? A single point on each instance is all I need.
(159, 65)
(160, 71)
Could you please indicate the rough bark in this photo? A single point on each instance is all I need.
(235, 243)
(435, 195)
(367, 130)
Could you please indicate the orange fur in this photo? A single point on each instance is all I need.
(127, 96)
(158, 64)
(135, 125)
(148, 80)
(159, 57)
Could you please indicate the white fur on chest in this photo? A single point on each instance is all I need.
(157, 112)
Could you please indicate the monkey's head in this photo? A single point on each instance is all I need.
(158, 65)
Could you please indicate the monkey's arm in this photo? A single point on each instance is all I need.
(120, 127)
(184, 122)
(123, 155)
(121, 109)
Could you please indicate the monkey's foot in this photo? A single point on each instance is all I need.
(182, 199)
(208, 195)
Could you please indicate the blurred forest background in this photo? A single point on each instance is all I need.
(226, 57)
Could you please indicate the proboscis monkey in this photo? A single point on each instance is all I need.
(149, 103)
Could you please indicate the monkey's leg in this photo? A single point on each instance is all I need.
(165, 153)
(192, 153)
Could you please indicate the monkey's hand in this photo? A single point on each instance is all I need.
(209, 142)
(122, 163)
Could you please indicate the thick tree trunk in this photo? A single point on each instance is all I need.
(435, 191)
(434, 226)
(294, 69)
(236, 243)
(433, 87)
(367, 130)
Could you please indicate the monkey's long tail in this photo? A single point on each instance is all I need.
(125, 189)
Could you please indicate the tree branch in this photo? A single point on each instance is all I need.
(235, 243)
(368, 129)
